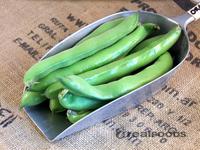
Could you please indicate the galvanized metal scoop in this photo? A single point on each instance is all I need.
(55, 127)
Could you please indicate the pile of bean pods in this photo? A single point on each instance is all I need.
(114, 59)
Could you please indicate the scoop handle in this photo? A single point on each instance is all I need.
(192, 15)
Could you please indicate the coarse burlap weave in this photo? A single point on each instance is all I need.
(29, 28)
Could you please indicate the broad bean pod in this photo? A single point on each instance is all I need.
(78, 103)
(31, 99)
(102, 28)
(145, 43)
(55, 106)
(74, 116)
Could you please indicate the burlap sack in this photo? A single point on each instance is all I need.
(23, 41)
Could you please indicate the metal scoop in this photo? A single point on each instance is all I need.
(56, 126)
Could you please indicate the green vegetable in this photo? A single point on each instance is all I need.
(119, 49)
(115, 89)
(79, 103)
(31, 99)
(145, 43)
(78, 52)
(102, 28)
(128, 64)
(104, 57)
(55, 106)
(53, 90)
(52, 77)
(134, 61)
(74, 116)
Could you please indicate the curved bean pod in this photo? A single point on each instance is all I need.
(74, 116)
(146, 43)
(78, 52)
(31, 99)
(55, 106)
(101, 58)
(53, 90)
(115, 89)
(102, 28)
(78, 103)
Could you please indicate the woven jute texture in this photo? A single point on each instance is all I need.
(23, 41)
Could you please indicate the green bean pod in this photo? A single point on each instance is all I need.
(74, 116)
(55, 106)
(78, 103)
(115, 89)
(31, 99)
(102, 28)
(81, 51)
(145, 43)
(104, 57)
(53, 90)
